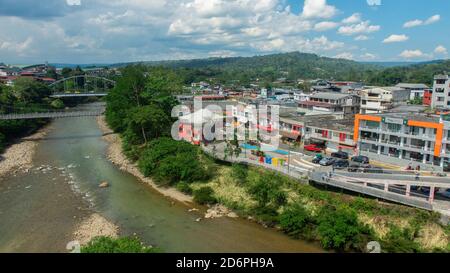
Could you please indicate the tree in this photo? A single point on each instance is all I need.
(267, 191)
(294, 220)
(27, 90)
(339, 228)
(150, 121)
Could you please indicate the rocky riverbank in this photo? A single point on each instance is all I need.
(95, 226)
(116, 156)
(19, 156)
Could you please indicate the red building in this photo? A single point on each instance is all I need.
(427, 97)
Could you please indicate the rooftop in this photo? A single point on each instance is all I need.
(329, 96)
(413, 116)
(412, 85)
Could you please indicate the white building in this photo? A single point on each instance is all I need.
(417, 89)
(441, 89)
(381, 99)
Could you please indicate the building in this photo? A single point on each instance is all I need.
(405, 138)
(191, 126)
(300, 96)
(334, 134)
(428, 97)
(417, 89)
(441, 92)
(328, 102)
(381, 99)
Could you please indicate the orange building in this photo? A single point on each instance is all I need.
(404, 139)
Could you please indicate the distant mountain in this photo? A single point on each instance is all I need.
(63, 65)
(397, 64)
(291, 66)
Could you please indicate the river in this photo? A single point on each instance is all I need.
(40, 209)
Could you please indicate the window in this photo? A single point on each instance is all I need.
(394, 127)
(364, 102)
(440, 81)
(440, 98)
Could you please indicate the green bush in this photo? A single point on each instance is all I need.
(205, 196)
(339, 228)
(294, 220)
(399, 241)
(184, 188)
(120, 245)
(267, 190)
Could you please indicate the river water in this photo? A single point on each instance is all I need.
(39, 209)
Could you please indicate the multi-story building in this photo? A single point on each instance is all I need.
(381, 99)
(441, 92)
(417, 89)
(428, 97)
(328, 102)
(405, 138)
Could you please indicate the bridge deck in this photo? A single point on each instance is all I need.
(52, 115)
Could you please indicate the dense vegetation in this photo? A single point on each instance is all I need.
(119, 245)
(27, 95)
(293, 66)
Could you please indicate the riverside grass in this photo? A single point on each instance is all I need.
(381, 218)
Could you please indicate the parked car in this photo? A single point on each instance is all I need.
(341, 155)
(317, 158)
(313, 148)
(341, 164)
(361, 159)
(356, 167)
(327, 161)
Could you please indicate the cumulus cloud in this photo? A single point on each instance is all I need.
(323, 26)
(417, 22)
(135, 30)
(318, 9)
(353, 19)
(394, 38)
(368, 56)
(344, 55)
(441, 50)
(412, 54)
(363, 27)
(361, 38)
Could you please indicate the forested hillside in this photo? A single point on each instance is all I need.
(295, 65)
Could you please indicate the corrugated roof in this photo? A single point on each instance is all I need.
(329, 96)
(412, 85)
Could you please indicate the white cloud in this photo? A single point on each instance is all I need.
(361, 38)
(411, 54)
(344, 55)
(323, 26)
(417, 22)
(363, 27)
(318, 9)
(394, 38)
(355, 18)
(374, 2)
(368, 56)
(73, 2)
(441, 50)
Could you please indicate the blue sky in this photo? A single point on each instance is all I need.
(107, 31)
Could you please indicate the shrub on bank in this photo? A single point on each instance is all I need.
(294, 220)
(205, 196)
(119, 245)
(184, 188)
(339, 228)
(399, 241)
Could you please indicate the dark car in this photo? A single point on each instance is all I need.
(361, 159)
(340, 154)
(328, 161)
(341, 164)
(317, 158)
